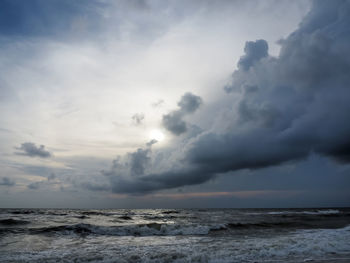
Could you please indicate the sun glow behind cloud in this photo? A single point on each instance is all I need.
(157, 135)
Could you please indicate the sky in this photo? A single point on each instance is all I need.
(156, 104)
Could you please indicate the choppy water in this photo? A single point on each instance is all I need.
(189, 235)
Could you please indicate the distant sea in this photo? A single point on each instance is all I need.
(175, 235)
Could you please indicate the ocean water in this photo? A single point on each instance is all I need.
(180, 235)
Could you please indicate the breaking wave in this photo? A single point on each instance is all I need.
(157, 229)
(152, 229)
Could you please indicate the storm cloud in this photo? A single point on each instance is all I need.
(292, 105)
(31, 150)
(173, 121)
(283, 109)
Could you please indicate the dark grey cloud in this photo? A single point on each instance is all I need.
(137, 118)
(173, 121)
(139, 161)
(292, 105)
(254, 51)
(7, 181)
(134, 163)
(31, 150)
(288, 107)
(189, 103)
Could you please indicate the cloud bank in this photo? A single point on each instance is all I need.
(283, 109)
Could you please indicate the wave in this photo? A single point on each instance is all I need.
(11, 222)
(151, 229)
(97, 213)
(292, 225)
(125, 217)
(160, 229)
(171, 212)
(262, 225)
(37, 212)
(318, 212)
(23, 212)
(266, 225)
(322, 245)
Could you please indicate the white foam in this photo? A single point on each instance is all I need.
(298, 246)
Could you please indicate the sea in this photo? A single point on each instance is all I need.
(175, 235)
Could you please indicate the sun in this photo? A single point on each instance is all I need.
(156, 135)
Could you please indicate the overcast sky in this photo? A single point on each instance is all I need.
(136, 104)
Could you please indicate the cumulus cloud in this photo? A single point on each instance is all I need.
(284, 108)
(173, 121)
(31, 150)
(137, 118)
(7, 181)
